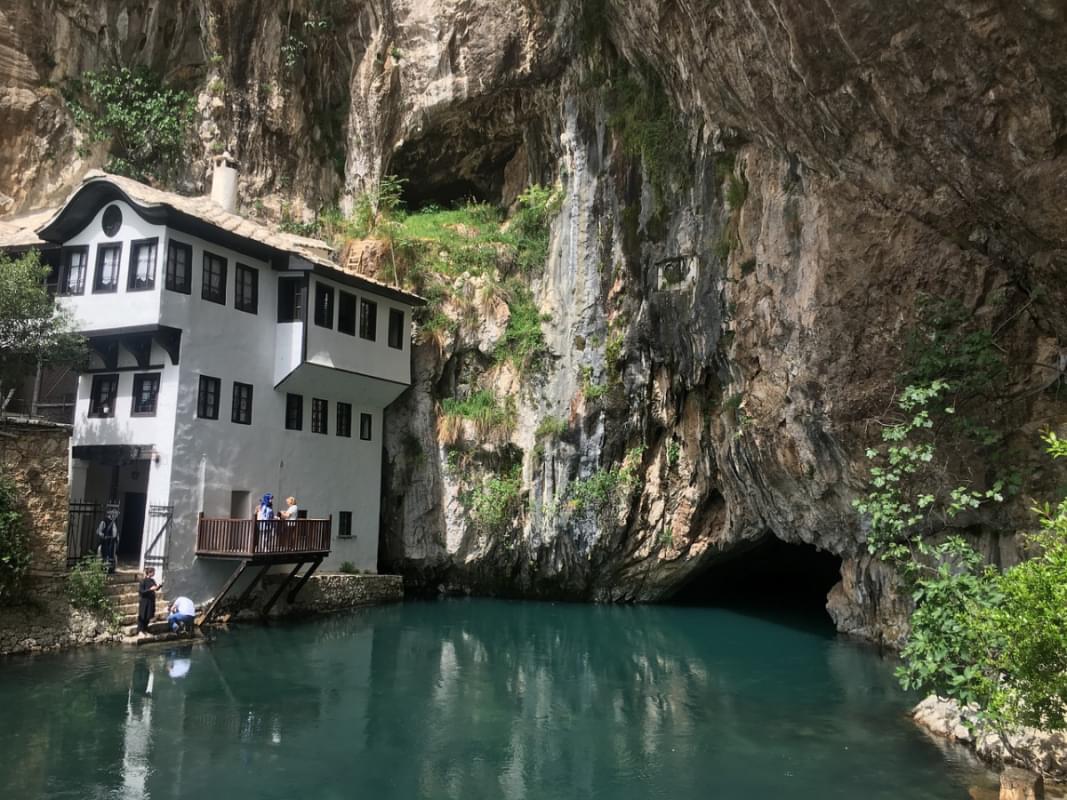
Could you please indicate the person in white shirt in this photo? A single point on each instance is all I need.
(291, 512)
(182, 612)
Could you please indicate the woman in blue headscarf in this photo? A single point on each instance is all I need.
(265, 515)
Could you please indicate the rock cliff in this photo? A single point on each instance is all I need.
(757, 198)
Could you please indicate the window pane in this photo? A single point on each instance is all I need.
(396, 328)
(73, 281)
(291, 300)
(214, 288)
(107, 268)
(368, 319)
(142, 265)
(319, 415)
(207, 404)
(365, 426)
(344, 527)
(346, 313)
(323, 305)
(145, 393)
(344, 419)
(102, 395)
(294, 412)
(246, 292)
(242, 403)
(179, 258)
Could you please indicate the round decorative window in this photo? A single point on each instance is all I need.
(112, 220)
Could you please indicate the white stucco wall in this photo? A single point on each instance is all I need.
(328, 347)
(103, 310)
(198, 464)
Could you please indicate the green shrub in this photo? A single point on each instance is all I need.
(14, 545)
(523, 342)
(87, 586)
(146, 122)
(597, 493)
(550, 428)
(490, 416)
(348, 568)
(495, 503)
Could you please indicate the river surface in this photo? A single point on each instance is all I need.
(471, 699)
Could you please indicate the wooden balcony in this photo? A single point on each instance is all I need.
(264, 541)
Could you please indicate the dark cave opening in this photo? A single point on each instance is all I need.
(771, 576)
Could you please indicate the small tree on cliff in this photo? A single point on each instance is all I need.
(32, 330)
(14, 545)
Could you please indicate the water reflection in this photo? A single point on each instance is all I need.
(470, 699)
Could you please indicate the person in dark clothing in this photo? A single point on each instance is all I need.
(146, 607)
(108, 534)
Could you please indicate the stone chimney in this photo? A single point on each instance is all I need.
(224, 182)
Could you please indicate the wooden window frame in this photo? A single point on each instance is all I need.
(368, 330)
(344, 419)
(101, 249)
(99, 381)
(201, 394)
(138, 385)
(236, 416)
(294, 401)
(241, 303)
(396, 327)
(323, 315)
(320, 416)
(347, 312)
(205, 286)
(64, 272)
(131, 276)
(170, 274)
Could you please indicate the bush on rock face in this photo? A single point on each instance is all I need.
(87, 586)
(14, 545)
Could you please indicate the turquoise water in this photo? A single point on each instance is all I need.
(473, 699)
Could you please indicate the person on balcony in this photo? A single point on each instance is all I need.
(182, 614)
(291, 512)
(266, 521)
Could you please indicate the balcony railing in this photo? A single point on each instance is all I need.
(267, 540)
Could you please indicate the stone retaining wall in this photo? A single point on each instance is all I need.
(35, 456)
(335, 592)
(49, 623)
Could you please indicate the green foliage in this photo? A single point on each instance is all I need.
(598, 493)
(641, 115)
(949, 345)
(145, 121)
(87, 587)
(910, 490)
(550, 428)
(495, 502)
(736, 191)
(489, 415)
(674, 453)
(592, 390)
(31, 329)
(348, 568)
(530, 226)
(523, 342)
(14, 544)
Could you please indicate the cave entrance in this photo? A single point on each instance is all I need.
(771, 577)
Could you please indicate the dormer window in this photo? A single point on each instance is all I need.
(107, 268)
(111, 221)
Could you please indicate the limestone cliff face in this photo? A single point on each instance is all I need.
(730, 356)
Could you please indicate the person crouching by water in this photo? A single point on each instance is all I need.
(108, 534)
(265, 516)
(182, 613)
(146, 606)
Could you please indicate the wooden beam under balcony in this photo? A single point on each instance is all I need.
(276, 541)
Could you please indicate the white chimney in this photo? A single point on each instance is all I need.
(224, 182)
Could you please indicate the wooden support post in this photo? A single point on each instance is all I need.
(206, 616)
(252, 585)
(303, 580)
(281, 588)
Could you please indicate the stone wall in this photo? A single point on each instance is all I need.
(49, 623)
(35, 455)
(335, 592)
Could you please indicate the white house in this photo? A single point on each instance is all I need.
(228, 359)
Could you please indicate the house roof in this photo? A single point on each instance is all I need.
(196, 215)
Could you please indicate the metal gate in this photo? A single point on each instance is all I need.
(82, 519)
(158, 547)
